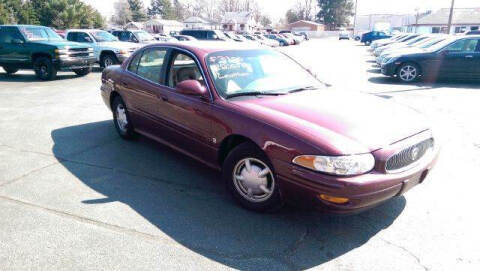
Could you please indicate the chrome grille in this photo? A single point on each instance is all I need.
(80, 52)
(409, 156)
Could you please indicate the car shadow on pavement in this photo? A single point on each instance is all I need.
(29, 78)
(427, 84)
(187, 201)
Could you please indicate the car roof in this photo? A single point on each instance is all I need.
(212, 46)
(85, 30)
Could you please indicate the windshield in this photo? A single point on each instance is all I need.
(441, 45)
(40, 34)
(144, 36)
(103, 36)
(257, 71)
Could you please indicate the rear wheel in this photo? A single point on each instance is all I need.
(44, 68)
(82, 72)
(283, 43)
(408, 72)
(10, 70)
(121, 119)
(250, 179)
(368, 43)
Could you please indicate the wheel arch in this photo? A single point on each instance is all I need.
(231, 142)
(113, 95)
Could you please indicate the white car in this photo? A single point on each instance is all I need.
(344, 35)
(108, 50)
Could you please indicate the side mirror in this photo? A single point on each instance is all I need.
(88, 39)
(17, 41)
(191, 88)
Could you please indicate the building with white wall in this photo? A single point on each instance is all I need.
(464, 19)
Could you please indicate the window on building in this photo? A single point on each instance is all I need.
(474, 28)
(435, 30)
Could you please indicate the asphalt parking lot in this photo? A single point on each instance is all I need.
(75, 196)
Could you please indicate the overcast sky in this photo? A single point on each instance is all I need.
(278, 8)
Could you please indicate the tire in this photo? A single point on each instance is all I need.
(44, 68)
(252, 191)
(108, 60)
(10, 70)
(283, 44)
(368, 43)
(122, 123)
(408, 72)
(82, 72)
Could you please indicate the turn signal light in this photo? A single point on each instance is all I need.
(337, 200)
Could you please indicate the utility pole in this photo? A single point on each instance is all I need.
(355, 19)
(450, 17)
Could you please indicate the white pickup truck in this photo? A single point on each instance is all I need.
(108, 50)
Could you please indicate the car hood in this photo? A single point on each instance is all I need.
(338, 122)
(61, 44)
(403, 51)
(119, 45)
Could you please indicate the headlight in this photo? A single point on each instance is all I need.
(61, 51)
(337, 165)
(390, 60)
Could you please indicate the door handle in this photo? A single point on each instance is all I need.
(164, 98)
(469, 56)
(125, 84)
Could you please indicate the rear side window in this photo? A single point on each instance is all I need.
(9, 34)
(151, 64)
(134, 63)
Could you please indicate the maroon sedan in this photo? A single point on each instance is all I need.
(275, 131)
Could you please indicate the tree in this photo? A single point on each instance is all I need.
(303, 10)
(178, 11)
(122, 14)
(161, 8)
(265, 21)
(138, 10)
(335, 13)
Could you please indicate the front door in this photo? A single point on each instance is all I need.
(189, 116)
(459, 59)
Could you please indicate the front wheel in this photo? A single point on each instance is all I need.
(82, 72)
(10, 70)
(250, 179)
(44, 68)
(408, 72)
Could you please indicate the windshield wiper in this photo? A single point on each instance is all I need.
(254, 93)
(303, 89)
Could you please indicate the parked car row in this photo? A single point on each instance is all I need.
(410, 57)
(48, 51)
(272, 40)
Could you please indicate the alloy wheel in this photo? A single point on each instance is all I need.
(253, 180)
(408, 73)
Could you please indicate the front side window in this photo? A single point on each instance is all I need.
(184, 68)
(151, 64)
(259, 71)
(465, 45)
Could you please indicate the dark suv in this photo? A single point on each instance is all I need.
(41, 49)
(205, 34)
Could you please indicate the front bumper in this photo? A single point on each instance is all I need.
(303, 187)
(389, 69)
(73, 63)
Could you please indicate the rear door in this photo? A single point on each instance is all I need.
(459, 59)
(142, 88)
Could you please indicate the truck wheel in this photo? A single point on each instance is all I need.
(44, 68)
(108, 60)
(82, 72)
(10, 70)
